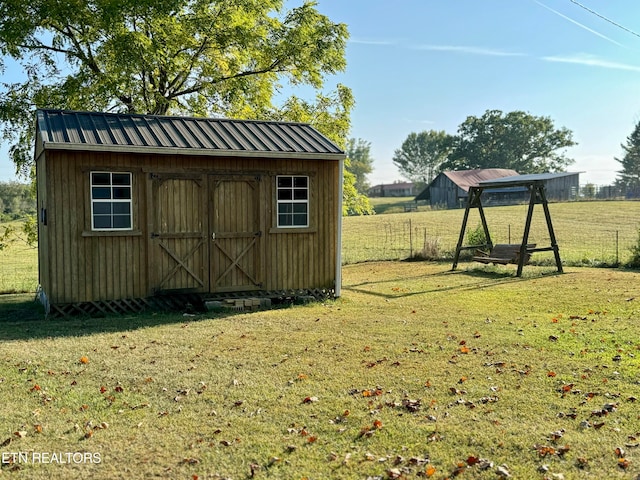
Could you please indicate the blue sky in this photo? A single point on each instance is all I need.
(418, 65)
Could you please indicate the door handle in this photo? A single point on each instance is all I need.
(213, 236)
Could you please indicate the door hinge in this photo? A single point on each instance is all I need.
(154, 235)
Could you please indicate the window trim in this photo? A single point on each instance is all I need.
(110, 200)
(292, 201)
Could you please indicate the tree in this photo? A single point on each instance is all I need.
(516, 140)
(629, 176)
(421, 155)
(360, 162)
(195, 57)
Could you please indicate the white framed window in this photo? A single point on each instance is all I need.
(293, 201)
(111, 201)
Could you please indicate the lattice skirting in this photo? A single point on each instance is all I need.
(176, 303)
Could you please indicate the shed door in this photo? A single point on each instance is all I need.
(179, 234)
(235, 233)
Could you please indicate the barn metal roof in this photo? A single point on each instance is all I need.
(71, 130)
(465, 179)
(523, 180)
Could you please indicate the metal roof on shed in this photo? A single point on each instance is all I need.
(63, 129)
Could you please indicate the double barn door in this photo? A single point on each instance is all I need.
(205, 233)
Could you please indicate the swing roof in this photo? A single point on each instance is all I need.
(523, 180)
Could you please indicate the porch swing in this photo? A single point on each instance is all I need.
(518, 254)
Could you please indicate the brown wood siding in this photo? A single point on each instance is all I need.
(43, 229)
(78, 265)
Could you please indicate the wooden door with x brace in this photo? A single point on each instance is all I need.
(235, 235)
(179, 249)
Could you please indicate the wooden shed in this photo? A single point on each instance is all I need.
(139, 207)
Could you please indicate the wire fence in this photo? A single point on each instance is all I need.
(404, 239)
(588, 233)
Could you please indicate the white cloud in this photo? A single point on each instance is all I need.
(591, 61)
(365, 41)
(471, 50)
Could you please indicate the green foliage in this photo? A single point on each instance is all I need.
(191, 57)
(16, 201)
(7, 237)
(30, 231)
(421, 155)
(354, 203)
(360, 162)
(629, 176)
(634, 261)
(476, 236)
(516, 140)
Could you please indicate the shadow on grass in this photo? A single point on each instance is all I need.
(487, 277)
(22, 318)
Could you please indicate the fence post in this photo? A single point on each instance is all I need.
(410, 240)
(617, 248)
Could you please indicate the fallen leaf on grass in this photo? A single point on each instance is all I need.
(310, 400)
(84, 360)
(503, 471)
(623, 463)
(430, 471)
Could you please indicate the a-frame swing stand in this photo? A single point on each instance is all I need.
(523, 251)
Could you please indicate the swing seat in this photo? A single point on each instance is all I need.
(503, 253)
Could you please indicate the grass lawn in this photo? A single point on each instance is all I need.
(416, 372)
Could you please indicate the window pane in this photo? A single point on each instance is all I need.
(300, 194)
(121, 208)
(300, 219)
(285, 208)
(284, 195)
(101, 192)
(102, 208)
(102, 221)
(285, 220)
(284, 182)
(121, 221)
(121, 179)
(300, 208)
(101, 178)
(122, 192)
(300, 182)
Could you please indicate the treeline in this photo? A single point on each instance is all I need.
(16, 201)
